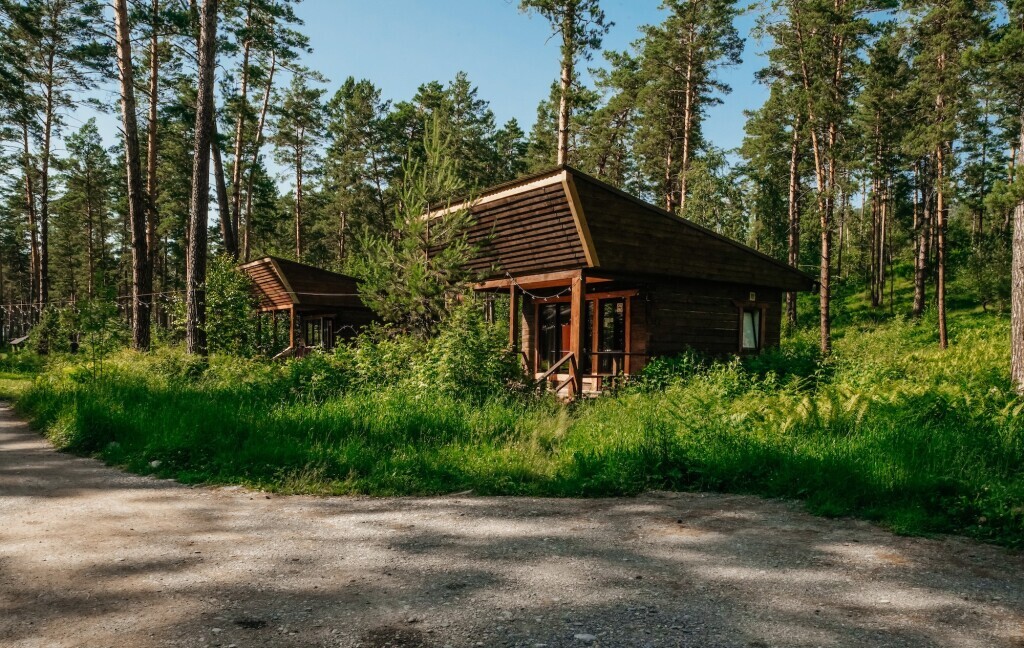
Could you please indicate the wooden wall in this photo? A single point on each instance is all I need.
(704, 316)
(530, 232)
(670, 317)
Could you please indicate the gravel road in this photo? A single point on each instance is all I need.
(91, 556)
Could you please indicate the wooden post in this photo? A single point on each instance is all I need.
(292, 338)
(513, 318)
(273, 339)
(577, 327)
(627, 347)
(259, 329)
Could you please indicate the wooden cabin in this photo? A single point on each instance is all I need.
(320, 307)
(601, 281)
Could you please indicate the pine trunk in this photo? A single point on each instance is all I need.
(30, 211)
(141, 285)
(195, 265)
(298, 204)
(256, 156)
(923, 238)
(940, 245)
(794, 217)
(1017, 279)
(688, 96)
(151, 135)
(44, 190)
(243, 107)
(565, 101)
(223, 202)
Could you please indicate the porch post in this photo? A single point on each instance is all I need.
(577, 329)
(273, 339)
(513, 318)
(291, 329)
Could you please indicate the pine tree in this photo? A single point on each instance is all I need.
(297, 130)
(679, 61)
(413, 274)
(195, 267)
(581, 25)
(142, 277)
(942, 32)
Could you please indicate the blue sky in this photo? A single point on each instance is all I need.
(400, 44)
(508, 55)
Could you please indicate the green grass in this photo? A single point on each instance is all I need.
(890, 428)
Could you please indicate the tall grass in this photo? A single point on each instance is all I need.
(889, 428)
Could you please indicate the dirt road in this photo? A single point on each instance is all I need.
(90, 556)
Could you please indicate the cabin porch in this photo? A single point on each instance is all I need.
(578, 332)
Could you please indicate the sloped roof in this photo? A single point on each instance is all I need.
(281, 284)
(564, 219)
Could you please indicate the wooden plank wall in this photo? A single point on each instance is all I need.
(630, 237)
(702, 316)
(270, 291)
(531, 232)
(318, 287)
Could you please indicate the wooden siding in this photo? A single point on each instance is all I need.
(525, 233)
(636, 238)
(704, 316)
(270, 291)
(281, 284)
(318, 287)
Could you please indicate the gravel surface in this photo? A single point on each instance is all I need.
(91, 556)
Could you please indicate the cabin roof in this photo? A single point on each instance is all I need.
(563, 219)
(281, 284)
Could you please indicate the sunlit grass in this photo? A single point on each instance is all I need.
(890, 428)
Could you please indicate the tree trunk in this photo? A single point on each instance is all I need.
(883, 205)
(151, 135)
(195, 265)
(298, 203)
(256, 155)
(923, 238)
(794, 216)
(243, 92)
(30, 210)
(342, 235)
(227, 230)
(141, 277)
(688, 95)
(568, 61)
(940, 245)
(44, 189)
(1017, 284)
(89, 227)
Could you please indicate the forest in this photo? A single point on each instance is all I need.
(883, 162)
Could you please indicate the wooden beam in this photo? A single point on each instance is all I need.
(577, 328)
(291, 328)
(578, 217)
(502, 191)
(542, 280)
(513, 317)
(628, 324)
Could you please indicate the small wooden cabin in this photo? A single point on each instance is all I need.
(321, 307)
(601, 281)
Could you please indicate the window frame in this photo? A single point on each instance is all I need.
(747, 307)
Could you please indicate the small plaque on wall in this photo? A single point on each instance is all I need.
(753, 296)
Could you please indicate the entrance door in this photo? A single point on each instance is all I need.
(553, 336)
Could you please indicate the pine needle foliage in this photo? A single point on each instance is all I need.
(413, 274)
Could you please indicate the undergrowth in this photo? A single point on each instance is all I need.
(889, 428)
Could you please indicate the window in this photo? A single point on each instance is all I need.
(750, 329)
(611, 335)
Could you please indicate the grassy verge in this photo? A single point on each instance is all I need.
(890, 429)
